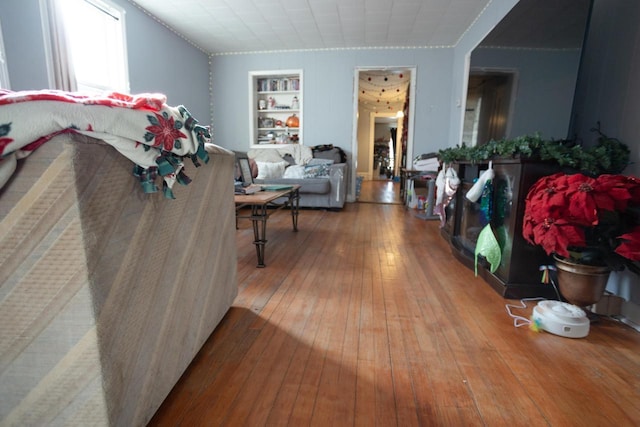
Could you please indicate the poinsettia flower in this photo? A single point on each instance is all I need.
(633, 186)
(557, 235)
(165, 131)
(549, 190)
(611, 192)
(527, 228)
(545, 196)
(576, 211)
(581, 205)
(3, 144)
(542, 184)
(630, 246)
(5, 129)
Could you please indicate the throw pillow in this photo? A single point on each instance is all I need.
(269, 170)
(316, 171)
(328, 151)
(289, 159)
(294, 172)
(265, 155)
(316, 161)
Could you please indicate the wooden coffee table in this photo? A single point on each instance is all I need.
(262, 205)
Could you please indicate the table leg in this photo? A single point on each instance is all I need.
(259, 220)
(294, 203)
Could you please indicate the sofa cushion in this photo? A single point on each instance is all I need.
(265, 155)
(289, 159)
(300, 154)
(294, 172)
(329, 151)
(308, 185)
(319, 161)
(315, 185)
(316, 171)
(269, 170)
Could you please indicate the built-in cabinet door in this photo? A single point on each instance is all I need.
(518, 274)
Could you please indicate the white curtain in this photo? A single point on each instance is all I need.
(62, 64)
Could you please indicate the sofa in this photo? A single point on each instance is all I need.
(321, 171)
(107, 293)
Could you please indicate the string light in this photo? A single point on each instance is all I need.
(383, 87)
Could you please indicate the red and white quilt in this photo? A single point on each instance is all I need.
(154, 136)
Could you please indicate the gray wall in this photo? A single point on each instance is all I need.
(159, 60)
(609, 91)
(608, 88)
(491, 16)
(545, 86)
(328, 88)
(24, 44)
(328, 93)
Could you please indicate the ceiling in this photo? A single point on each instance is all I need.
(236, 26)
(531, 24)
(220, 27)
(231, 26)
(542, 24)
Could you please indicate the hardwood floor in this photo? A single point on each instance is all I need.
(364, 318)
(382, 191)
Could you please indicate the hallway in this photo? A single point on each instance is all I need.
(380, 191)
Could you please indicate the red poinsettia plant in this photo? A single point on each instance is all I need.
(589, 220)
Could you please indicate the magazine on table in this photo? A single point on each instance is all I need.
(277, 187)
(249, 189)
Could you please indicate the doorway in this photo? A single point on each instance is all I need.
(383, 130)
(387, 151)
(489, 102)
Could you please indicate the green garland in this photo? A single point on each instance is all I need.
(609, 155)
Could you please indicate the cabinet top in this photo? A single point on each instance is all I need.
(276, 73)
(278, 91)
(501, 161)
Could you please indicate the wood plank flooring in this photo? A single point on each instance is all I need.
(383, 191)
(364, 318)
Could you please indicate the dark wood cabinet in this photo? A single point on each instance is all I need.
(518, 275)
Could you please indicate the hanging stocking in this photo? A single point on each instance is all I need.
(475, 192)
(447, 183)
(486, 203)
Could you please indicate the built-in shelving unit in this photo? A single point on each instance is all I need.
(275, 107)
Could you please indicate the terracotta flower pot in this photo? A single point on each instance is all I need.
(580, 284)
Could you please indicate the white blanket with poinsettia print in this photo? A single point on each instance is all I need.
(153, 135)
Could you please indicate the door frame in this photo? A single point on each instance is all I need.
(412, 69)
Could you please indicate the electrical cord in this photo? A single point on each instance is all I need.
(547, 278)
(521, 320)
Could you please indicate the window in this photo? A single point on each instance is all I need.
(96, 34)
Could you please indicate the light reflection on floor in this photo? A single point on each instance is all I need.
(380, 191)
